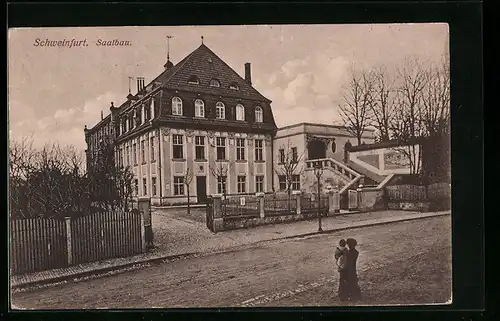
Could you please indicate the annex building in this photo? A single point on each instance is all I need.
(200, 117)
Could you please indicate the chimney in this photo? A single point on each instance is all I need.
(102, 115)
(140, 84)
(248, 75)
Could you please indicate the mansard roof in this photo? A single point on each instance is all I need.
(206, 65)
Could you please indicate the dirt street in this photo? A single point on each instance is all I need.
(399, 263)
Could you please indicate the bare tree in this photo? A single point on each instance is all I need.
(407, 126)
(357, 98)
(435, 113)
(382, 107)
(188, 178)
(219, 170)
(288, 165)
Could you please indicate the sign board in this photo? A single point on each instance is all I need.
(242, 201)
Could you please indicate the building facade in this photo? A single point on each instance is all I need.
(307, 142)
(198, 122)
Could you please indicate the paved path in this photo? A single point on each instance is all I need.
(177, 235)
(287, 272)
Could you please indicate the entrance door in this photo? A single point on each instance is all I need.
(201, 188)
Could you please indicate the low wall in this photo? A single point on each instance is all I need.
(237, 223)
(371, 199)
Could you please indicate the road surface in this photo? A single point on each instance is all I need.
(399, 263)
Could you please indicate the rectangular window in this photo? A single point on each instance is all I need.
(178, 185)
(240, 149)
(134, 153)
(282, 182)
(221, 184)
(152, 147)
(282, 156)
(121, 156)
(295, 182)
(199, 147)
(258, 150)
(153, 186)
(143, 152)
(178, 146)
(242, 184)
(136, 187)
(259, 183)
(294, 154)
(144, 187)
(127, 156)
(221, 148)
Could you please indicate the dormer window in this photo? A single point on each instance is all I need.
(258, 114)
(214, 83)
(193, 80)
(176, 106)
(240, 112)
(234, 86)
(199, 108)
(220, 111)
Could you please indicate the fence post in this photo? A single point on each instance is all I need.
(143, 233)
(360, 195)
(218, 220)
(260, 197)
(297, 198)
(68, 240)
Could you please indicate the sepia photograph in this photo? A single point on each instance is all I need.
(236, 166)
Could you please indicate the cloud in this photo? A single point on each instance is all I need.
(305, 89)
(65, 126)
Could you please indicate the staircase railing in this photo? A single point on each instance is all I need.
(352, 176)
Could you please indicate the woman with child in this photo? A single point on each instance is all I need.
(346, 259)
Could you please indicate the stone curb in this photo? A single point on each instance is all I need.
(175, 257)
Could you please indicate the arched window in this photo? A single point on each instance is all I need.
(193, 80)
(152, 108)
(234, 86)
(214, 83)
(125, 124)
(199, 108)
(258, 115)
(176, 106)
(240, 112)
(220, 111)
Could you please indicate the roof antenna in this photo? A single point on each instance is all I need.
(168, 47)
(201, 39)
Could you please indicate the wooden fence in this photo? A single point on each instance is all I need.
(406, 193)
(37, 244)
(44, 243)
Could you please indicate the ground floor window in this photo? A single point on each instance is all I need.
(282, 182)
(295, 182)
(153, 186)
(259, 183)
(178, 185)
(221, 184)
(136, 187)
(242, 184)
(144, 187)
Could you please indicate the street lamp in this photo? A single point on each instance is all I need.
(318, 171)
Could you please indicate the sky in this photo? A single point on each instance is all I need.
(54, 92)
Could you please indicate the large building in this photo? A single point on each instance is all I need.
(200, 119)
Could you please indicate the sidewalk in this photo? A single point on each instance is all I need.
(196, 242)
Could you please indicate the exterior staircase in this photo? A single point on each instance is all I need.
(345, 177)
